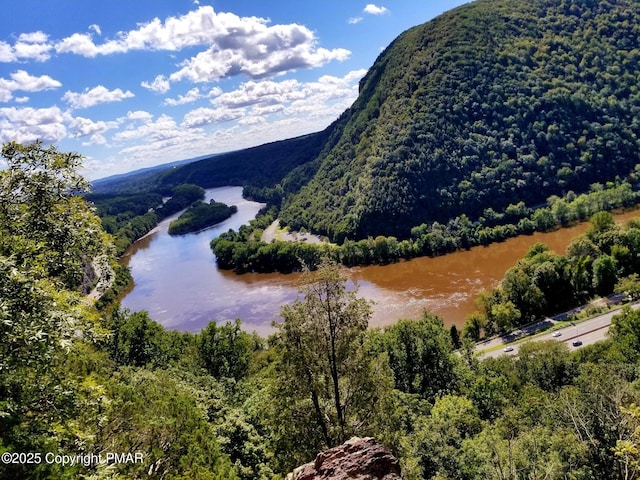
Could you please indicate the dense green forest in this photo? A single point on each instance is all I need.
(201, 215)
(126, 217)
(209, 405)
(490, 104)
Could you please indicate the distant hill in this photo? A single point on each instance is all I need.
(137, 180)
(494, 102)
(263, 166)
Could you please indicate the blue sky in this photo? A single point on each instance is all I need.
(135, 83)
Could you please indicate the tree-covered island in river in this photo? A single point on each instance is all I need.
(201, 215)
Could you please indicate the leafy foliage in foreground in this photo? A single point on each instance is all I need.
(43, 218)
(490, 104)
(71, 382)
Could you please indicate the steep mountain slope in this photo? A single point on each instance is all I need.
(494, 102)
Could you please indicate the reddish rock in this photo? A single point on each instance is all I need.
(356, 459)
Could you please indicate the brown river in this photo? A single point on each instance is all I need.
(178, 283)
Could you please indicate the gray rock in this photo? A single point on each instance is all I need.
(356, 459)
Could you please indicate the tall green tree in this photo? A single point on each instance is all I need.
(435, 446)
(605, 274)
(324, 353)
(225, 350)
(625, 332)
(137, 340)
(421, 356)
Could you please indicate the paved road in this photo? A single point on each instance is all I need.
(589, 332)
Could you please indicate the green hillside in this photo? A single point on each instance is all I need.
(492, 103)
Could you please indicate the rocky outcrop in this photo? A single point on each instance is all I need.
(356, 459)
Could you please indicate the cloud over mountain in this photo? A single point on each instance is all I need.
(234, 45)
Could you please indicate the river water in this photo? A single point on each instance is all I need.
(178, 283)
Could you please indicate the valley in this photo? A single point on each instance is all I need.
(178, 282)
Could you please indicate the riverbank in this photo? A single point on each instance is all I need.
(241, 252)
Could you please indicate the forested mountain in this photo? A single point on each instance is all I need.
(495, 102)
(136, 181)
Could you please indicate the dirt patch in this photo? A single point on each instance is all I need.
(274, 232)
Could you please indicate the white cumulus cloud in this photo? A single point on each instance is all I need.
(190, 97)
(232, 45)
(95, 96)
(372, 9)
(29, 46)
(80, 44)
(253, 101)
(159, 85)
(257, 52)
(263, 92)
(198, 27)
(22, 81)
(96, 139)
(83, 127)
(161, 129)
(206, 116)
(140, 115)
(25, 125)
